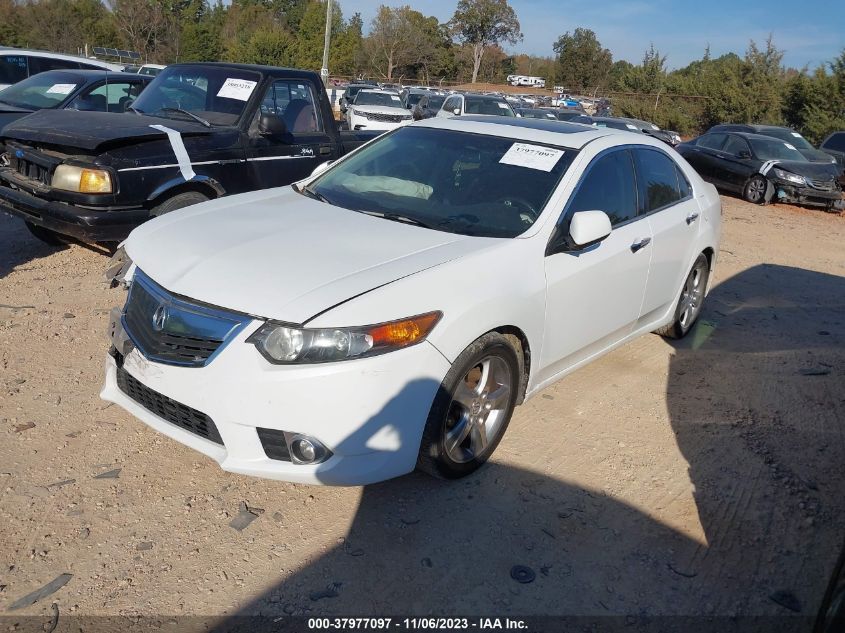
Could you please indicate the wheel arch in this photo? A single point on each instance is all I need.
(201, 184)
(520, 342)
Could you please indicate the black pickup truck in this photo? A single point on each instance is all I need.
(199, 131)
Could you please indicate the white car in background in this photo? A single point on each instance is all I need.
(390, 312)
(16, 64)
(377, 110)
(463, 104)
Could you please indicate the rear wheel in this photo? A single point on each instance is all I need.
(755, 189)
(690, 301)
(46, 235)
(472, 408)
(178, 201)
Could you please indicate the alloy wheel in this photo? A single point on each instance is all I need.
(692, 295)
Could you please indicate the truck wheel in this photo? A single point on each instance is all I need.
(46, 235)
(178, 201)
(472, 408)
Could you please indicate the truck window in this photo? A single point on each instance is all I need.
(293, 100)
(13, 68)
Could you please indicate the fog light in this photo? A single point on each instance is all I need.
(307, 450)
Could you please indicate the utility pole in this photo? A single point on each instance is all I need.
(324, 71)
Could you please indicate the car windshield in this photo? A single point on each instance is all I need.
(793, 138)
(479, 185)
(766, 149)
(434, 103)
(45, 90)
(367, 97)
(217, 95)
(474, 105)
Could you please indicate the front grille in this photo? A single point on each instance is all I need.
(823, 185)
(387, 118)
(31, 170)
(173, 331)
(168, 409)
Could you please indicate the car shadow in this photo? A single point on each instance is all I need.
(18, 246)
(759, 422)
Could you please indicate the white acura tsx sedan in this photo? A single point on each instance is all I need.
(389, 312)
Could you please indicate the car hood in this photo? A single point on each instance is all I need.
(277, 254)
(94, 131)
(816, 171)
(816, 155)
(374, 109)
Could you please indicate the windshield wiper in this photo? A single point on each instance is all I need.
(398, 217)
(310, 193)
(196, 118)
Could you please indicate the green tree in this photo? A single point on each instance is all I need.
(482, 24)
(271, 47)
(582, 62)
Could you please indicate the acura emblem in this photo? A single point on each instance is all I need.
(159, 318)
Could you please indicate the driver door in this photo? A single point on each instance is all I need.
(594, 295)
(280, 160)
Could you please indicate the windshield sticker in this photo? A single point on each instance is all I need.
(789, 146)
(630, 127)
(394, 98)
(61, 89)
(797, 135)
(503, 106)
(239, 89)
(532, 156)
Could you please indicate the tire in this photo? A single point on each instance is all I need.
(465, 425)
(179, 201)
(754, 190)
(46, 235)
(691, 300)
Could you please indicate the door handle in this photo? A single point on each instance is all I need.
(640, 244)
(325, 150)
(692, 217)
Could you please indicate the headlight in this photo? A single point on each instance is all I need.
(81, 179)
(288, 344)
(789, 177)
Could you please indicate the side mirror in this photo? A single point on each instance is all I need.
(319, 169)
(744, 154)
(272, 125)
(127, 105)
(589, 227)
(456, 111)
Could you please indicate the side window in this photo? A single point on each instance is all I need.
(712, 141)
(106, 98)
(683, 184)
(13, 68)
(294, 101)
(42, 64)
(609, 186)
(657, 180)
(451, 104)
(836, 142)
(735, 145)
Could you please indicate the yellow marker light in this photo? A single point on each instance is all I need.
(404, 332)
(94, 181)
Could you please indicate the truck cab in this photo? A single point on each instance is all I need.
(199, 131)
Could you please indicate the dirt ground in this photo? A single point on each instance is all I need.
(702, 478)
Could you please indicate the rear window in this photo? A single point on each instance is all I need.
(836, 142)
(13, 68)
(43, 64)
(487, 106)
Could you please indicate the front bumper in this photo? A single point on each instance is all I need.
(370, 412)
(89, 225)
(809, 196)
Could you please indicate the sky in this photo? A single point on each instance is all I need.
(811, 32)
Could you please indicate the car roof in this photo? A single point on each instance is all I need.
(91, 74)
(544, 131)
(475, 95)
(72, 58)
(293, 73)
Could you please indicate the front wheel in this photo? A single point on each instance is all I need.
(755, 189)
(472, 408)
(178, 201)
(690, 301)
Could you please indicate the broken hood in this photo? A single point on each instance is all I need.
(277, 254)
(94, 131)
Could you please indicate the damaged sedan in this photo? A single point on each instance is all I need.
(387, 313)
(763, 169)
